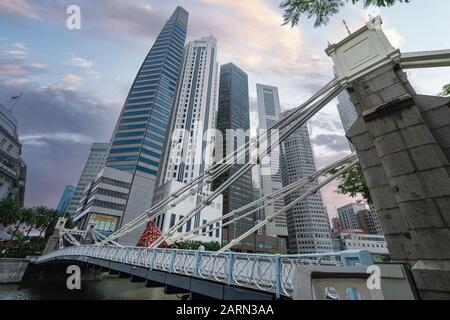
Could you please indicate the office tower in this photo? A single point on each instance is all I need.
(346, 110)
(270, 172)
(347, 215)
(141, 131)
(13, 169)
(92, 167)
(233, 122)
(191, 151)
(308, 222)
(374, 222)
(191, 143)
(66, 197)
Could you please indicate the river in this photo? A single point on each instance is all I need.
(107, 289)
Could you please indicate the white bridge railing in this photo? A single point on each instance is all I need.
(273, 273)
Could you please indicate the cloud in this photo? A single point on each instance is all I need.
(82, 63)
(72, 78)
(57, 127)
(12, 70)
(20, 7)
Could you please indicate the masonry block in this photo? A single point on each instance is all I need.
(422, 214)
(369, 158)
(436, 182)
(389, 143)
(362, 142)
(432, 276)
(398, 164)
(393, 221)
(375, 177)
(442, 136)
(383, 197)
(427, 103)
(392, 92)
(428, 157)
(380, 127)
(401, 247)
(408, 117)
(417, 136)
(408, 188)
(380, 82)
(443, 205)
(433, 243)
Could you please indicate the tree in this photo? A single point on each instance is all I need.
(9, 211)
(353, 183)
(323, 10)
(446, 90)
(25, 216)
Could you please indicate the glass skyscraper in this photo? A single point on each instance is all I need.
(125, 187)
(234, 113)
(140, 134)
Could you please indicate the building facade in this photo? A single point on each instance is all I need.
(191, 144)
(66, 197)
(233, 122)
(94, 164)
(13, 170)
(269, 113)
(348, 217)
(375, 244)
(347, 111)
(142, 129)
(308, 222)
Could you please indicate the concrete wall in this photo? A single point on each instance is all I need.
(12, 270)
(403, 143)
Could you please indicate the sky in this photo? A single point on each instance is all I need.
(75, 81)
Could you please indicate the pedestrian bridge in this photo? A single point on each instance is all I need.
(225, 276)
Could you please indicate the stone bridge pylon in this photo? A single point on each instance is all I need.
(403, 143)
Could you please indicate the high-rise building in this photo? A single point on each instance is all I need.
(269, 112)
(66, 197)
(336, 224)
(13, 170)
(308, 222)
(142, 131)
(346, 110)
(233, 122)
(190, 151)
(191, 142)
(92, 167)
(347, 216)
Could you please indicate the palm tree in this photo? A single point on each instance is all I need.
(9, 211)
(25, 216)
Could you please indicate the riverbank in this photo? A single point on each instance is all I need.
(12, 270)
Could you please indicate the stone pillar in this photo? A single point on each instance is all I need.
(403, 143)
(53, 241)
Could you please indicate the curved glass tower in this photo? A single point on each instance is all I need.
(140, 134)
(124, 188)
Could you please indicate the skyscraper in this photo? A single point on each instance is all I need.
(233, 122)
(190, 152)
(270, 174)
(66, 197)
(346, 110)
(191, 142)
(308, 222)
(347, 215)
(13, 170)
(92, 167)
(142, 130)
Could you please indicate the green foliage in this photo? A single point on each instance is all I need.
(40, 218)
(323, 10)
(9, 211)
(446, 90)
(194, 245)
(353, 183)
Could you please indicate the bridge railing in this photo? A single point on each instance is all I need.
(265, 272)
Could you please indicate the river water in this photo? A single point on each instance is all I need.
(107, 289)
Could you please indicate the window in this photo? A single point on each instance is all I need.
(173, 218)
